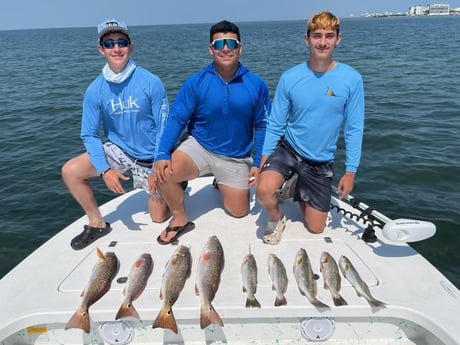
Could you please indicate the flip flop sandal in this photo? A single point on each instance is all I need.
(274, 231)
(89, 235)
(179, 230)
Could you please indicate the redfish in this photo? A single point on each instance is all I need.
(210, 267)
(137, 281)
(176, 272)
(104, 271)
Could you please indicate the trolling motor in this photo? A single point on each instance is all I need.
(398, 230)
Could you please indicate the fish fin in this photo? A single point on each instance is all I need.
(318, 304)
(280, 301)
(100, 254)
(127, 310)
(338, 300)
(377, 303)
(244, 289)
(252, 303)
(209, 316)
(80, 319)
(197, 290)
(82, 293)
(161, 294)
(166, 319)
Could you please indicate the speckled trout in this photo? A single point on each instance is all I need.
(304, 276)
(331, 277)
(352, 275)
(277, 273)
(249, 275)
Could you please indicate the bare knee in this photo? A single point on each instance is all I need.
(315, 230)
(237, 212)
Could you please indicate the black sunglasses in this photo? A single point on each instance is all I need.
(110, 43)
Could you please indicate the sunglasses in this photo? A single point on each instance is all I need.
(110, 43)
(232, 43)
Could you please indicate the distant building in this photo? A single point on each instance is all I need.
(419, 10)
(434, 9)
(439, 9)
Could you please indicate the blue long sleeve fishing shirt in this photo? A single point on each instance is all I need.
(227, 118)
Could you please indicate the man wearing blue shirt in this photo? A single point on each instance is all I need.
(132, 105)
(311, 103)
(224, 107)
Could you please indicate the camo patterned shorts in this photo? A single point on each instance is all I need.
(119, 160)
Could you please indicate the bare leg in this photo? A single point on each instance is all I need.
(75, 174)
(236, 201)
(315, 220)
(158, 209)
(184, 169)
(266, 193)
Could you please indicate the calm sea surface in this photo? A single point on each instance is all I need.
(410, 165)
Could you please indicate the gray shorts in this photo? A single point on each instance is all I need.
(119, 160)
(314, 182)
(229, 171)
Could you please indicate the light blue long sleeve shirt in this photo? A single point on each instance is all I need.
(309, 109)
(132, 113)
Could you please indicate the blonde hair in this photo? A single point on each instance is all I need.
(323, 20)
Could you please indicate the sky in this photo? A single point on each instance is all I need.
(32, 14)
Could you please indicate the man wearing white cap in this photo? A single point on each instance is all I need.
(132, 106)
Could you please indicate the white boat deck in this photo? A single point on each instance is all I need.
(38, 297)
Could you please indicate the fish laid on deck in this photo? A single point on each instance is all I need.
(249, 275)
(137, 281)
(210, 267)
(331, 277)
(352, 275)
(176, 272)
(304, 276)
(277, 272)
(104, 271)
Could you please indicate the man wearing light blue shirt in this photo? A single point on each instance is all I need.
(312, 102)
(132, 106)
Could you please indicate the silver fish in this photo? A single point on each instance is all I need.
(277, 273)
(249, 274)
(210, 267)
(350, 273)
(104, 271)
(331, 277)
(176, 272)
(137, 281)
(305, 278)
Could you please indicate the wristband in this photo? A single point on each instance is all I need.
(104, 172)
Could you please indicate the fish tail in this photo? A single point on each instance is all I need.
(318, 304)
(338, 300)
(377, 303)
(209, 316)
(127, 310)
(80, 319)
(166, 319)
(252, 303)
(280, 301)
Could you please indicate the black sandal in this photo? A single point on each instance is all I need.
(89, 235)
(179, 230)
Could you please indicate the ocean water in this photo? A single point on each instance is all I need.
(409, 167)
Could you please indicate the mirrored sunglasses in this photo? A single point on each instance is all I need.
(110, 43)
(231, 43)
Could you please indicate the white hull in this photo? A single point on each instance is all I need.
(38, 297)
